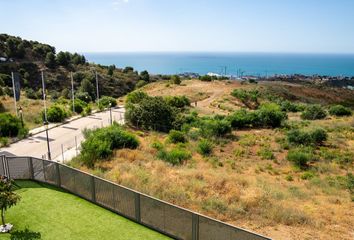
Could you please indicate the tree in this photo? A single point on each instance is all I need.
(87, 86)
(8, 198)
(144, 75)
(50, 60)
(64, 58)
(111, 69)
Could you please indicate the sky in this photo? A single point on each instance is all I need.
(287, 26)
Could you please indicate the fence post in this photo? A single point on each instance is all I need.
(137, 207)
(93, 188)
(30, 163)
(58, 174)
(195, 226)
(6, 160)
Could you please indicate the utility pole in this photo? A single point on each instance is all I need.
(72, 91)
(45, 116)
(14, 91)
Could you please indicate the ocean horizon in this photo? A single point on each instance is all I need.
(255, 64)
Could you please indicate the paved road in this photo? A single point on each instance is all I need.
(63, 139)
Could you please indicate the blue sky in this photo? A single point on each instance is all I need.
(316, 26)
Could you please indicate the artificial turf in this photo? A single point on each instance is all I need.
(57, 214)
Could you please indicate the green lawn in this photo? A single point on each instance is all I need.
(60, 215)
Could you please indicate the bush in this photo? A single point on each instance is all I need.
(83, 96)
(205, 147)
(136, 97)
(300, 157)
(79, 106)
(242, 119)
(205, 78)
(152, 113)
(339, 110)
(270, 115)
(314, 137)
(177, 101)
(176, 156)
(11, 126)
(313, 112)
(105, 102)
(248, 98)
(56, 113)
(31, 94)
(87, 111)
(100, 143)
(176, 79)
(288, 106)
(319, 135)
(140, 84)
(215, 127)
(176, 137)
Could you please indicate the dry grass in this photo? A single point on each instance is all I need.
(31, 109)
(238, 186)
(239, 183)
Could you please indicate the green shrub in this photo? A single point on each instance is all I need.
(307, 175)
(100, 143)
(288, 106)
(266, 153)
(205, 147)
(83, 96)
(87, 111)
(152, 113)
(176, 79)
(205, 78)
(157, 145)
(140, 84)
(4, 141)
(31, 94)
(314, 137)
(313, 112)
(176, 137)
(319, 135)
(11, 126)
(177, 101)
(298, 137)
(339, 110)
(248, 98)
(176, 156)
(242, 118)
(79, 106)
(270, 115)
(136, 97)
(106, 102)
(56, 113)
(289, 178)
(215, 127)
(300, 157)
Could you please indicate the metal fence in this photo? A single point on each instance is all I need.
(161, 216)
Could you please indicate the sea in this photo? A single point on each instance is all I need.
(235, 64)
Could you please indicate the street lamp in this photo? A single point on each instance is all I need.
(110, 112)
(21, 116)
(46, 132)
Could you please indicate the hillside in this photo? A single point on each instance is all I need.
(279, 181)
(30, 57)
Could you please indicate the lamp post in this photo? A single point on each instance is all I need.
(46, 132)
(21, 116)
(110, 112)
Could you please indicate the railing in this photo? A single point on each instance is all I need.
(161, 216)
